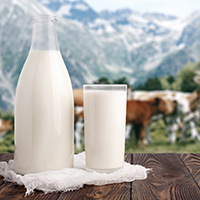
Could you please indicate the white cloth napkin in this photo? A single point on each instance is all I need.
(69, 179)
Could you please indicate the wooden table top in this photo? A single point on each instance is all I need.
(174, 176)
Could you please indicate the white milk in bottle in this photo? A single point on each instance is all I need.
(44, 105)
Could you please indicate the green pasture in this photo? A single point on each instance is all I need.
(160, 143)
(183, 81)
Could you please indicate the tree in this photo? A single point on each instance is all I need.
(170, 79)
(150, 84)
(102, 80)
(187, 83)
(105, 80)
(185, 79)
(122, 80)
(7, 116)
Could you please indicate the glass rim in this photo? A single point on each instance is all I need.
(105, 87)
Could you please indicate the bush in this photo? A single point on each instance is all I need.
(7, 143)
(150, 84)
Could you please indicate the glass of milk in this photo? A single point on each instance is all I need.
(105, 120)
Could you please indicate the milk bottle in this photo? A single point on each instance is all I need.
(44, 105)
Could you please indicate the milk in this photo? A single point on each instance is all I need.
(43, 114)
(104, 115)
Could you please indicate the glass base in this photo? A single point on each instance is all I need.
(102, 170)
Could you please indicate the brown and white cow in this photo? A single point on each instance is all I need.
(78, 117)
(187, 103)
(139, 114)
(5, 126)
(78, 97)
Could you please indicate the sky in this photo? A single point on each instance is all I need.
(180, 8)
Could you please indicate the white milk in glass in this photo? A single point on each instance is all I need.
(104, 116)
(43, 113)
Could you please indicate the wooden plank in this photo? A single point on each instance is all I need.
(113, 191)
(6, 156)
(169, 179)
(192, 163)
(1, 180)
(173, 177)
(10, 191)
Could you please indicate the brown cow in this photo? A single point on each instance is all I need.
(78, 103)
(194, 100)
(139, 113)
(78, 97)
(186, 112)
(5, 125)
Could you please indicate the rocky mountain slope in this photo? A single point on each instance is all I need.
(112, 44)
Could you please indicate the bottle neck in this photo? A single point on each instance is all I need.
(44, 33)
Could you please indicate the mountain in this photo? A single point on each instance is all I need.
(15, 38)
(156, 44)
(75, 10)
(112, 44)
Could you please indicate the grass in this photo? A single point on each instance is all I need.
(7, 143)
(164, 147)
(160, 143)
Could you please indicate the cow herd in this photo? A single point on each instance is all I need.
(179, 111)
(184, 112)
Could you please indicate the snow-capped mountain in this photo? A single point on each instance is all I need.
(112, 44)
(76, 10)
(152, 40)
(15, 39)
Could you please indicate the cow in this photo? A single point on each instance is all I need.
(78, 126)
(78, 97)
(189, 121)
(187, 103)
(78, 117)
(139, 113)
(5, 126)
(162, 106)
